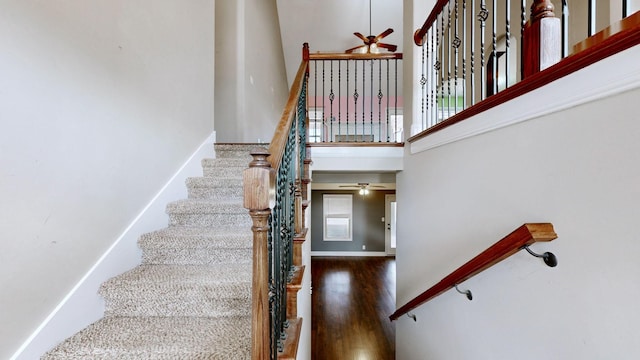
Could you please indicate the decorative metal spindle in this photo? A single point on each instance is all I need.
(380, 95)
(355, 102)
(565, 29)
(523, 24)
(508, 43)
(387, 109)
(395, 97)
(464, 54)
(340, 92)
(315, 96)
(449, 60)
(456, 45)
(315, 91)
(592, 17)
(364, 96)
(371, 100)
(433, 77)
(482, 17)
(347, 95)
(625, 8)
(473, 55)
(441, 88)
(331, 98)
(423, 82)
(494, 51)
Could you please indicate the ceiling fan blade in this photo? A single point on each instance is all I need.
(377, 186)
(389, 47)
(362, 37)
(349, 51)
(348, 186)
(383, 34)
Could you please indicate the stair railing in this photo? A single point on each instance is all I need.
(477, 54)
(355, 98)
(519, 239)
(273, 194)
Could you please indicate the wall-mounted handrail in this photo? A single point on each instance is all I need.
(525, 235)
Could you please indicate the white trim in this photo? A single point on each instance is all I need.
(608, 77)
(82, 305)
(348, 253)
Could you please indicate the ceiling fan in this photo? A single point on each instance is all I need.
(371, 42)
(364, 187)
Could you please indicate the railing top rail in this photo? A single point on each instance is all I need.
(526, 234)
(344, 56)
(279, 141)
(421, 32)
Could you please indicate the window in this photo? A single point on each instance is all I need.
(337, 217)
(316, 125)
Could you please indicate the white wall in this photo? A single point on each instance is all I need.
(577, 169)
(100, 104)
(251, 87)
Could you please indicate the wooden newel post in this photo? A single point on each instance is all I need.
(259, 198)
(542, 39)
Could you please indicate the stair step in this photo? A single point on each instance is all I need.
(197, 212)
(218, 169)
(159, 338)
(239, 146)
(196, 245)
(178, 290)
(214, 188)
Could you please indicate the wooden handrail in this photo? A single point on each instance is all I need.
(276, 148)
(615, 43)
(354, 56)
(526, 234)
(418, 36)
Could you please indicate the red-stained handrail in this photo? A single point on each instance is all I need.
(418, 36)
(526, 234)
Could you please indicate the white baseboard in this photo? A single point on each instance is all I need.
(349, 253)
(83, 305)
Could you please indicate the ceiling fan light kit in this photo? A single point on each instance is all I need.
(372, 44)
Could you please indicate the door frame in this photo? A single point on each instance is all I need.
(388, 199)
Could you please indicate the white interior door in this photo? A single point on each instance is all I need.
(390, 224)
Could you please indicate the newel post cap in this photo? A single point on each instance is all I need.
(259, 182)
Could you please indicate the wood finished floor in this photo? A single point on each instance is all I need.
(351, 303)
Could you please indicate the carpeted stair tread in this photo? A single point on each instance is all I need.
(196, 245)
(225, 162)
(159, 338)
(197, 237)
(213, 188)
(178, 290)
(204, 212)
(239, 147)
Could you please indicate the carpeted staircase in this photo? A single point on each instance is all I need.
(190, 297)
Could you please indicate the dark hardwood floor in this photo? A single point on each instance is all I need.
(351, 303)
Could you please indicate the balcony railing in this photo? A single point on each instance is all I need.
(354, 98)
(472, 50)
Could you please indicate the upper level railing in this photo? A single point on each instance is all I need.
(355, 98)
(273, 194)
(519, 239)
(476, 54)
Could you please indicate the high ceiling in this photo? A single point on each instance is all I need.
(328, 25)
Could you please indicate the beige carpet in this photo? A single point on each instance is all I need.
(190, 297)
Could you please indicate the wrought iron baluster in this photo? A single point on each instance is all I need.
(387, 109)
(482, 17)
(473, 54)
(508, 43)
(439, 67)
(449, 41)
(340, 91)
(433, 77)
(355, 102)
(395, 97)
(464, 54)
(456, 45)
(592, 18)
(494, 51)
(625, 8)
(364, 97)
(423, 87)
(371, 103)
(523, 24)
(565, 29)
(380, 95)
(331, 98)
